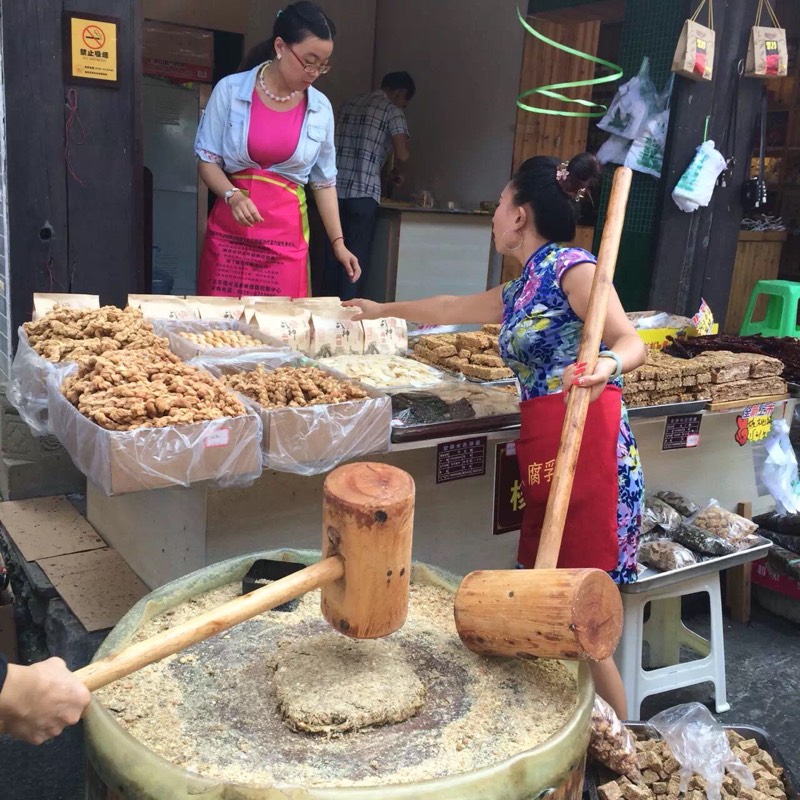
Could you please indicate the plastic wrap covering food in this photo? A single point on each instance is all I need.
(27, 387)
(683, 505)
(658, 513)
(665, 555)
(451, 402)
(736, 530)
(225, 451)
(702, 541)
(700, 745)
(216, 339)
(386, 372)
(611, 743)
(302, 433)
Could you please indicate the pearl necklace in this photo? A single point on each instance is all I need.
(268, 93)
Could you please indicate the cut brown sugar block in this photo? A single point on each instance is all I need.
(492, 329)
(610, 791)
(484, 360)
(477, 342)
(487, 373)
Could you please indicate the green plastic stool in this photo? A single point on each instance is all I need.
(783, 300)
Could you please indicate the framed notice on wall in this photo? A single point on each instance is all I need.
(90, 52)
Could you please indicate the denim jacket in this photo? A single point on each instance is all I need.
(222, 135)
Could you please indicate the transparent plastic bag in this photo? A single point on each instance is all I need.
(665, 555)
(646, 153)
(312, 440)
(702, 541)
(725, 524)
(223, 451)
(186, 349)
(700, 745)
(611, 743)
(614, 150)
(27, 386)
(657, 512)
(696, 185)
(387, 371)
(779, 470)
(632, 104)
(683, 505)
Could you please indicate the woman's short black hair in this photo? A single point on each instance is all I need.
(399, 80)
(295, 23)
(553, 190)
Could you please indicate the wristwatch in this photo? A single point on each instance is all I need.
(229, 194)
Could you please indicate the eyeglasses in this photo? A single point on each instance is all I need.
(311, 69)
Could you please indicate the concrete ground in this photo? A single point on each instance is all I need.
(762, 662)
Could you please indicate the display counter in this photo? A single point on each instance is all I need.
(419, 252)
(466, 495)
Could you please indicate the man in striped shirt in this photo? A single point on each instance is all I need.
(369, 129)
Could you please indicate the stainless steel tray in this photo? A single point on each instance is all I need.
(645, 412)
(650, 579)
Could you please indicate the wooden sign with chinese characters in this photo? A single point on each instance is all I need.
(91, 49)
(509, 504)
(754, 423)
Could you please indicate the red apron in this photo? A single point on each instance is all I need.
(271, 258)
(590, 533)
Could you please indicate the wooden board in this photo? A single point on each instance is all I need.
(545, 134)
(97, 585)
(48, 527)
(731, 405)
(758, 258)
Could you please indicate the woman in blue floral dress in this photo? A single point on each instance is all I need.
(542, 315)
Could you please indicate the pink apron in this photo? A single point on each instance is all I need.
(271, 257)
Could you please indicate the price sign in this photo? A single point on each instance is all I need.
(682, 431)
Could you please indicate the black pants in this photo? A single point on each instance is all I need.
(358, 216)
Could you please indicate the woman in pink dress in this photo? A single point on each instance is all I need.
(266, 134)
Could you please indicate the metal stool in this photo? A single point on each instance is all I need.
(665, 633)
(783, 300)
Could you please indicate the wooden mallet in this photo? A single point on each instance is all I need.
(368, 518)
(548, 612)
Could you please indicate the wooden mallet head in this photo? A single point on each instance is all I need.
(367, 522)
(547, 613)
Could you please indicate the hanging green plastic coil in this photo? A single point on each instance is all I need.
(552, 89)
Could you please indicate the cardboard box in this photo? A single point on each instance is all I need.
(656, 338)
(27, 387)
(763, 575)
(172, 51)
(315, 439)
(45, 302)
(187, 349)
(226, 450)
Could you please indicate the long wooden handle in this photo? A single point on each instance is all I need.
(123, 663)
(118, 665)
(578, 401)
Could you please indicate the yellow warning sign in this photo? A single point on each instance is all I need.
(93, 43)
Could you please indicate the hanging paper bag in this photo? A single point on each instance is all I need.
(694, 55)
(767, 54)
(632, 104)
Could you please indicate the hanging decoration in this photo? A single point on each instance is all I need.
(591, 110)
